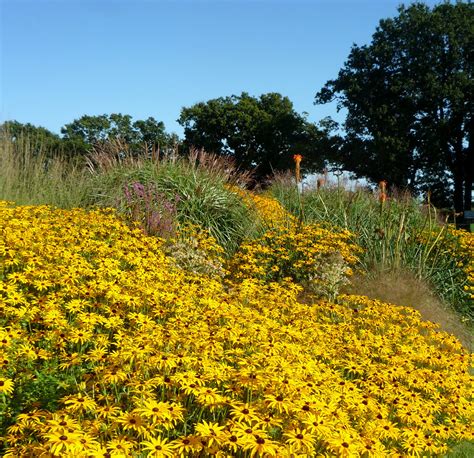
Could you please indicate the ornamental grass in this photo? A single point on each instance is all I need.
(109, 347)
(396, 232)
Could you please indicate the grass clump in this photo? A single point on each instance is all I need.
(159, 193)
(195, 192)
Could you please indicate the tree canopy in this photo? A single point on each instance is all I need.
(91, 130)
(261, 134)
(409, 101)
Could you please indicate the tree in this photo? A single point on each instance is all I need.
(409, 100)
(261, 134)
(92, 130)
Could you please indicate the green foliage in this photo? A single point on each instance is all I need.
(463, 450)
(261, 133)
(410, 104)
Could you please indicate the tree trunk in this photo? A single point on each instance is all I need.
(458, 191)
(459, 171)
(468, 184)
(469, 168)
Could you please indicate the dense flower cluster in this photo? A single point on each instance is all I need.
(458, 247)
(270, 211)
(195, 250)
(108, 349)
(316, 256)
(462, 249)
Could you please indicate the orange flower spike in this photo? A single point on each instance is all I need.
(297, 158)
(383, 191)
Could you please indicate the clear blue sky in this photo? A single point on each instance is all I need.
(65, 58)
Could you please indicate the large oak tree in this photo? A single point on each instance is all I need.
(409, 97)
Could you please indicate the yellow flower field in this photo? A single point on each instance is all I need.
(109, 349)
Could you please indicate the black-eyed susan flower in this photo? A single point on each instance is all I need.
(260, 446)
(6, 385)
(62, 442)
(300, 440)
(212, 432)
(80, 402)
(158, 447)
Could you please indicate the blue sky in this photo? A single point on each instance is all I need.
(64, 58)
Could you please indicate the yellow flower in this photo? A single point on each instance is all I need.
(260, 446)
(344, 445)
(278, 402)
(80, 403)
(184, 446)
(131, 421)
(300, 440)
(212, 432)
(244, 413)
(120, 445)
(6, 385)
(158, 448)
(62, 442)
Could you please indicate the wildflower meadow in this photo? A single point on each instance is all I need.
(116, 343)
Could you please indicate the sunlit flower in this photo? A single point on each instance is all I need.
(158, 448)
(6, 385)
